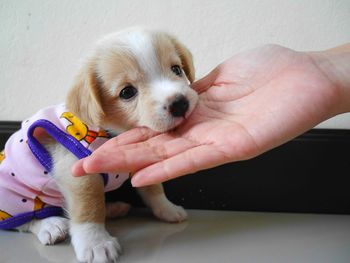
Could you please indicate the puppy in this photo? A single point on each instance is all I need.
(136, 77)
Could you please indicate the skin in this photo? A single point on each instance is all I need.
(249, 104)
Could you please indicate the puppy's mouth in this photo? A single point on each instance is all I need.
(180, 109)
(173, 114)
(178, 120)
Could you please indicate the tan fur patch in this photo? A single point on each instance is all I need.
(94, 98)
(85, 198)
(2, 156)
(83, 99)
(117, 63)
(149, 193)
(94, 95)
(169, 50)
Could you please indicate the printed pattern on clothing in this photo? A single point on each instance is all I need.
(27, 189)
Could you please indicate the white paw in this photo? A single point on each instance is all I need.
(92, 243)
(117, 209)
(170, 212)
(52, 230)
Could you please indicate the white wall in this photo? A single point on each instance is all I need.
(41, 41)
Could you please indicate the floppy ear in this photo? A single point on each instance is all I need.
(84, 98)
(186, 59)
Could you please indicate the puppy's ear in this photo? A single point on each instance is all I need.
(186, 59)
(84, 98)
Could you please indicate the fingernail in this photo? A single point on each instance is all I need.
(135, 182)
(138, 181)
(77, 169)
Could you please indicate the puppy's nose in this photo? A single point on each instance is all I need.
(179, 106)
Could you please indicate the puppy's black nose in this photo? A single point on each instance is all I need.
(179, 106)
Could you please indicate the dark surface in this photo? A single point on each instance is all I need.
(308, 174)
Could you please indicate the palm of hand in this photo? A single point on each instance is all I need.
(248, 104)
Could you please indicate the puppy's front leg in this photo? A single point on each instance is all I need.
(155, 198)
(86, 208)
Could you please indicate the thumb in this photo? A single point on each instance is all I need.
(206, 82)
(78, 168)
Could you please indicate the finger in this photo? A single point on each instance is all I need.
(109, 159)
(130, 137)
(206, 82)
(78, 169)
(190, 161)
(130, 158)
(135, 135)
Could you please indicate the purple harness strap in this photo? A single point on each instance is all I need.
(68, 141)
(20, 219)
(43, 156)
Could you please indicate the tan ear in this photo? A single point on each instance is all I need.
(83, 99)
(186, 59)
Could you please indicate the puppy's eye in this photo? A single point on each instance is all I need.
(128, 92)
(177, 70)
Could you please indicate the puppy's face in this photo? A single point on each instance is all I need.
(135, 78)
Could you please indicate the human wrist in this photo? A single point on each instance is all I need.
(335, 66)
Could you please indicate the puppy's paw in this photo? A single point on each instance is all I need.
(170, 213)
(117, 209)
(51, 230)
(92, 243)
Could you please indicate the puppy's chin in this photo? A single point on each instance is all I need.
(167, 122)
(172, 125)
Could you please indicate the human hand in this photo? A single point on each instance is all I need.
(249, 104)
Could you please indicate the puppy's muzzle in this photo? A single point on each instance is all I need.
(179, 106)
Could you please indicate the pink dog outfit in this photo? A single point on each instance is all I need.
(27, 188)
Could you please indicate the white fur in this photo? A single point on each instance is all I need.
(90, 240)
(162, 208)
(92, 243)
(63, 160)
(138, 43)
(163, 92)
(49, 230)
(162, 89)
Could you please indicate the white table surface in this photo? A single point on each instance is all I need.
(207, 236)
